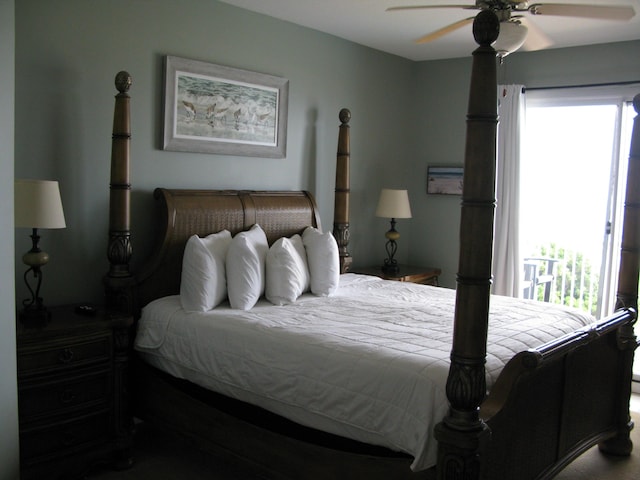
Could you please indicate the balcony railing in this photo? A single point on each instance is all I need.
(566, 279)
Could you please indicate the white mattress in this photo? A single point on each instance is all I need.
(368, 363)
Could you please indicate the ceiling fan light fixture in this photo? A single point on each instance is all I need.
(512, 36)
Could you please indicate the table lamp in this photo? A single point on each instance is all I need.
(37, 205)
(392, 204)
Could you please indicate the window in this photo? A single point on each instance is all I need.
(573, 172)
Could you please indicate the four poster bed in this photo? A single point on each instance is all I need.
(552, 392)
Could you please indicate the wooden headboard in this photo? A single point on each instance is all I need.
(183, 213)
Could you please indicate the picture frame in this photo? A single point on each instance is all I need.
(211, 108)
(445, 180)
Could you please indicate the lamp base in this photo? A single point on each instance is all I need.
(391, 264)
(390, 268)
(34, 317)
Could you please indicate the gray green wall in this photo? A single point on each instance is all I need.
(8, 388)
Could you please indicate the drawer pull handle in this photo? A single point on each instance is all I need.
(66, 355)
(67, 396)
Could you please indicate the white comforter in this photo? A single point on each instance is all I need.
(369, 363)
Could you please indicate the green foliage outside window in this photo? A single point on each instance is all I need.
(576, 283)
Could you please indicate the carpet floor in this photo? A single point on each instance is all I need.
(162, 455)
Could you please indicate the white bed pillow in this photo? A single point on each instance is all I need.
(287, 274)
(246, 268)
(323, 259)
(203, 283)
(296, 241)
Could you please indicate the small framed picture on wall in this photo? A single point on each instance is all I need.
(444, 180)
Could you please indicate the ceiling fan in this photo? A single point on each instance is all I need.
(515, 29)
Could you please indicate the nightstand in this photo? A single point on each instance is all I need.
(72, 400)
(407, 273)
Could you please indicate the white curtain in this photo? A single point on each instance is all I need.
(507, 265)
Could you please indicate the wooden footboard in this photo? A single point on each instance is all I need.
(552, 403)
(564, 397)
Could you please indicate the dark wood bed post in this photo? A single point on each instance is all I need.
(462, 436)
(118, 282)
(119, 279)
(627, 294)
(341, 206)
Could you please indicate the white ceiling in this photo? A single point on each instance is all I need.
(366, 22)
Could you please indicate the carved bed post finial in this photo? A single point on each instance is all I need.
(117, 281)
(627, 293)
(341, 206)
(462, 436)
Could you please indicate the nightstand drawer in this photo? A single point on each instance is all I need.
(54, 439)
(56, 395)
(72, 405)
(54, 356)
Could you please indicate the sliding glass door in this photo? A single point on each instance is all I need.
(573, 170)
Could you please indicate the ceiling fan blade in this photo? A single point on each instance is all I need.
(602, 12)
(424, 7)
(445, 30)
(536, 38)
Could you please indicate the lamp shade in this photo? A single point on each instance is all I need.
(37, 204)
(511, 38)
(393, 204)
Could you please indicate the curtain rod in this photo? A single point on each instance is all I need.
(613, 84)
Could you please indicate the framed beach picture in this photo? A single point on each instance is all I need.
(211, 108)
(444, 180)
